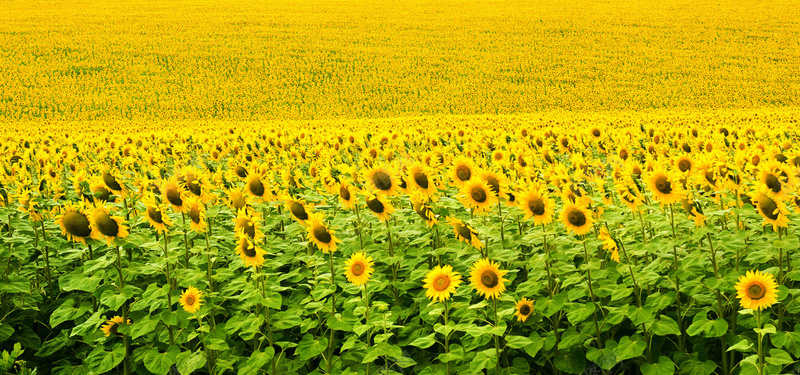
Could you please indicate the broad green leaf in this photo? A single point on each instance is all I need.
(100, 361)
(424, 342)
(663, 367)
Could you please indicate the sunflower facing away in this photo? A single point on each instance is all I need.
(464, 232)
(251, 255)
(537, 206)
(477, 195)
(441, 283)
(421, 180)
(174, 194)
(298, 209)
(576, 219)
(772, 209)
(524, 309)
(197, 213)
(191, 300)
(319, 234)
(757, 290)
(358, 269)
(111, 326)
(74, 223)
(424, 211)
(487, 278)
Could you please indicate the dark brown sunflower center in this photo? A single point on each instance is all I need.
(441, 282)
(357, 269)
(382, 180)
(623, 154)
(489, 279)
(576, 218)
(249, 229)
(174, 197)
(52, 173)
(298, 211)
(494, 184)
(190, 300)
(248, 250)
(321, 234)
(421, 179)
(464, 232)
(478, 194)
(111, 182)
(663, 185)
(375, 205)
(463, 173)
(773, 183)
(256, 187)
(114, 329)
(684, 165)
(154, 189)
(193, 185)
(155, 215)
(344, 193)
(536, 205)
(102, 194)
(240, 171)
(194, 214)
(77, 224)
(498, 156)
(238, 202)
(767, 206)
(106, 225)
(525, 310)
(596, 132)
(710, 177)
(756, 291)
(755, 159)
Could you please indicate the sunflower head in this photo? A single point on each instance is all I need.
(358, 269)
(487, 278)
(105, 225)
(319, 234)
(537, 206)
(462, 171)
(246, 224)
(478, 195)
(665, 187)
(441, 283)
(111, 326)
(74, 222)
(379, 206)
(757, 290)
(197, 213)
(173, 194)
(251, 254)
(464, 232)
(524, 309)
(237, 199)
(347, 196)
(577, 219)
(382, 180)
(298, 210)
(424, 211)
(191, 300)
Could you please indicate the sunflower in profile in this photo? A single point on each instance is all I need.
(424, 211)
(538, 206)
(194, 181)
(464, 232)
(757, 290)
(774, 179)
(111, 326)
(100, 191)
(772, 209)
(74, 222)
(577, 219)
(247, 223)
(319, 234)
(609, 243)
(694, 212)
(297, 208)
(524, 309)
(347, 195)
(174, 194)
(463, 170)
(106, 226)
(197, 213)
(237, 198)
(191, 300)
(111, 182)
(478, 196)
(249, 252)
(28, 205)
(382, 180)
(156, 213)
(256, 186)
(487, 278)
(420, 180)
(358, 269)
(379, 206)
(441, 283)
(665, 187)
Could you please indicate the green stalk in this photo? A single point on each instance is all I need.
(329, 362)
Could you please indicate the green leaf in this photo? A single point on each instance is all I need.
(160, 363)
(456, 354)
(606, 358)
(577, 315)
(483, 360)
(666, 326)
(779, 357)
(639, 315)
(548, 307)
(742, 346)
(75, 280)
(188, 362)
(100, 361)
(143, 326)
(663, 367)
(6, 330)
(67, 311)
(628, 348)
(53, 345)
(15, 284)
(768, 329)
(256, 361)
(424, 342)
(309, 347)
(517, 342)
(695, 367)
(572, 361)
(93, 323)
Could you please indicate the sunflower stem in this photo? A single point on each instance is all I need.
(591, 293)
(359, 229)
(47, 261)
(446, 336)
(126, 364)
(169, 283)
(677, 278)
(210, 281)
(395, 291)
(641, 220)
(366, 317)
(502, 234)
(185, 240)
(269, 322)
(329, 359)
(496, 338)
(550, 286)
(760, 340)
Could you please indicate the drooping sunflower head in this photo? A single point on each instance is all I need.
(247, 224)
(665, 188)
(757, 290)
(464, 232)
(251, 254)
(191, 300)
(320, 234)
(577, 219)
(358, 269)
(382, 180)
(772, 209)
(524, 309)
(255, 185)
(424, 211)
(420, 179)
(74, 222)
(197, 213)
(297, 208)
(100, 191)
(775, 180)
(379, 206)
(237, 199)
(111, 326)
(462, 171)
(156, 213)
(174, 194)
(537, 206)
(487, 278)
(347, 195)
(106, 226)
(441, 283)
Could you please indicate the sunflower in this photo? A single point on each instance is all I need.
(478, 196)
(194, 182)
(776, 180)
(382, 180)
(246, 223)
(441, 283)
(757, 290)
(197, 213)
(577, 219)
(524, 309)
(174, 194)
(462, 171)
(358, 269)
(320, 235)
(105, 225)
(379, 206)
(111, 326)
(665, 187)
(100, 191)
(487, 278)
(237, 199)
(772, 209)
(28, 205)
(498, 182)
(420, 180)
(424, 211)
(537, 206)
(694, 212)
(74, 222)
(112, 183)
(191, 300)
(347, 196)
(255, 186)
(464, 232)
(250, 254)
(609, 243)
(298, 209)
(684, 164)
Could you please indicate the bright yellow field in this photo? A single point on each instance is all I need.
(358, 59)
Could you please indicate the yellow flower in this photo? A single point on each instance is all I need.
(537, 206)
(320, 235)
(379, 206)
(358, 269)
(246, 223)
(347, 196)
(772, 209)
(106, 226)
(421, 180)
(174, 194)
(465, 233)
(756, 290)
(609, 243)
(462, 171)
(424, 211)
(576, 219)
(665, 187)
(156, 214)
(524, 309)
(251, 254)
(487, 278)
(382, 180)
(477, 195)
(298, 209)
(111, 326)
(191, 299)
(441, 282)
(74, 222)
(197, 213)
